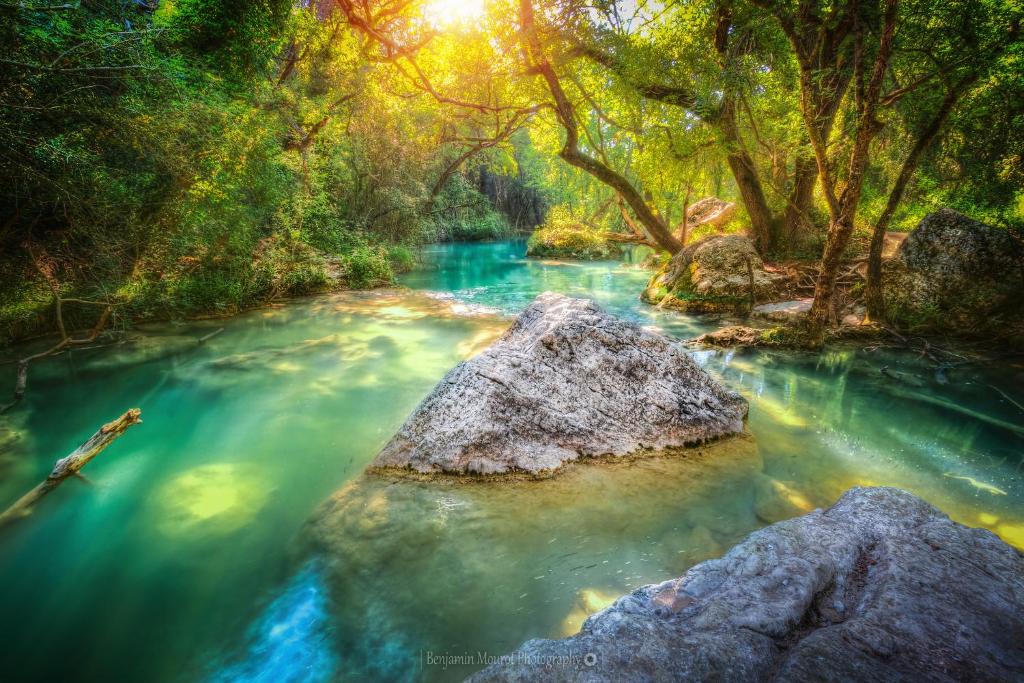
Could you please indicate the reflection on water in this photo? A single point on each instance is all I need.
(189, 558)
(289, 642)
(210, 499)
(418, 566)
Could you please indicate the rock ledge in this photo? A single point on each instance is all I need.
(881, 586)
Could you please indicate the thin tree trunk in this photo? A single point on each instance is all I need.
(747, 179)
(684, 225)
(843, 208)
(752, 194)
(873, 291)
(571, 152)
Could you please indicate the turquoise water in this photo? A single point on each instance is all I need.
(190, 555)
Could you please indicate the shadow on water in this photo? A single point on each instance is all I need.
(192, 557)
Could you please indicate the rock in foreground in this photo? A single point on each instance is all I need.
(882, 586)
(566, 380)
(955, 274)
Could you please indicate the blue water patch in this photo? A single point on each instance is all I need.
(290, 642)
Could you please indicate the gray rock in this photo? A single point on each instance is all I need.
(882, 586)
(710, 211)
(566, 380)
(783, 311)
(954, 273)
(711, 276)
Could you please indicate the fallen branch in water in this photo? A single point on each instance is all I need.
(207, 337)
(898, 391)
(46, 268)
(1008, 398)
(71, 465)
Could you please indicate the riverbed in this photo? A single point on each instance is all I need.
(189, 555)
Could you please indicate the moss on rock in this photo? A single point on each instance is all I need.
(955, 274)
(712, 276)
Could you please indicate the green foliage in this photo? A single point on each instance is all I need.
(367, 267)
(173, 161)
(194, 156)
(564, 236)
(401, 258)
(232, 36)
(462, 213)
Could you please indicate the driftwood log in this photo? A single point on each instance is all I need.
(71, 465)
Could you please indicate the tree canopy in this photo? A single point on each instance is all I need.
(181, 156)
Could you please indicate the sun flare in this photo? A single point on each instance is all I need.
(443, 13)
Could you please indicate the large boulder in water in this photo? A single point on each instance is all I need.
(711, 275)
(566, 380)
(882, 586)
(954, 273)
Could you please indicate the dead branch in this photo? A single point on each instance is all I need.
(207, 337)
(630, 239)
(46, 269)
(71, 465)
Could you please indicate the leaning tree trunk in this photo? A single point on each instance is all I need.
(747, 179)
(752, 194)
(873, 291)
(565, 112)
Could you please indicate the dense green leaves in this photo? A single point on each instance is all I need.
(196, 155)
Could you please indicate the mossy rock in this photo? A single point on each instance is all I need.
(779, 337)
(712, 276)
(955, 274)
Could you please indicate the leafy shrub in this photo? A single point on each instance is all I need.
(367, 267)
(489, 226)
(563, 235)
(463, 214)
(401, 259)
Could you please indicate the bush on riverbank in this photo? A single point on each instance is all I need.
(563, 235)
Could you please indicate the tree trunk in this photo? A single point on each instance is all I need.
(824, 287)
(747, 179)
(684, 225)
(796, 217)
(843, 208)
(873, 291)
(752, 194)
(571, 153)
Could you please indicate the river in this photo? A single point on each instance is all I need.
(188, 555)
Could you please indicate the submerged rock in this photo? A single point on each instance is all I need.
(954, 273)
(566, 380)
(882, 586)
(711, 276)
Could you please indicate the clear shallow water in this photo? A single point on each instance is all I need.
(190, 556)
